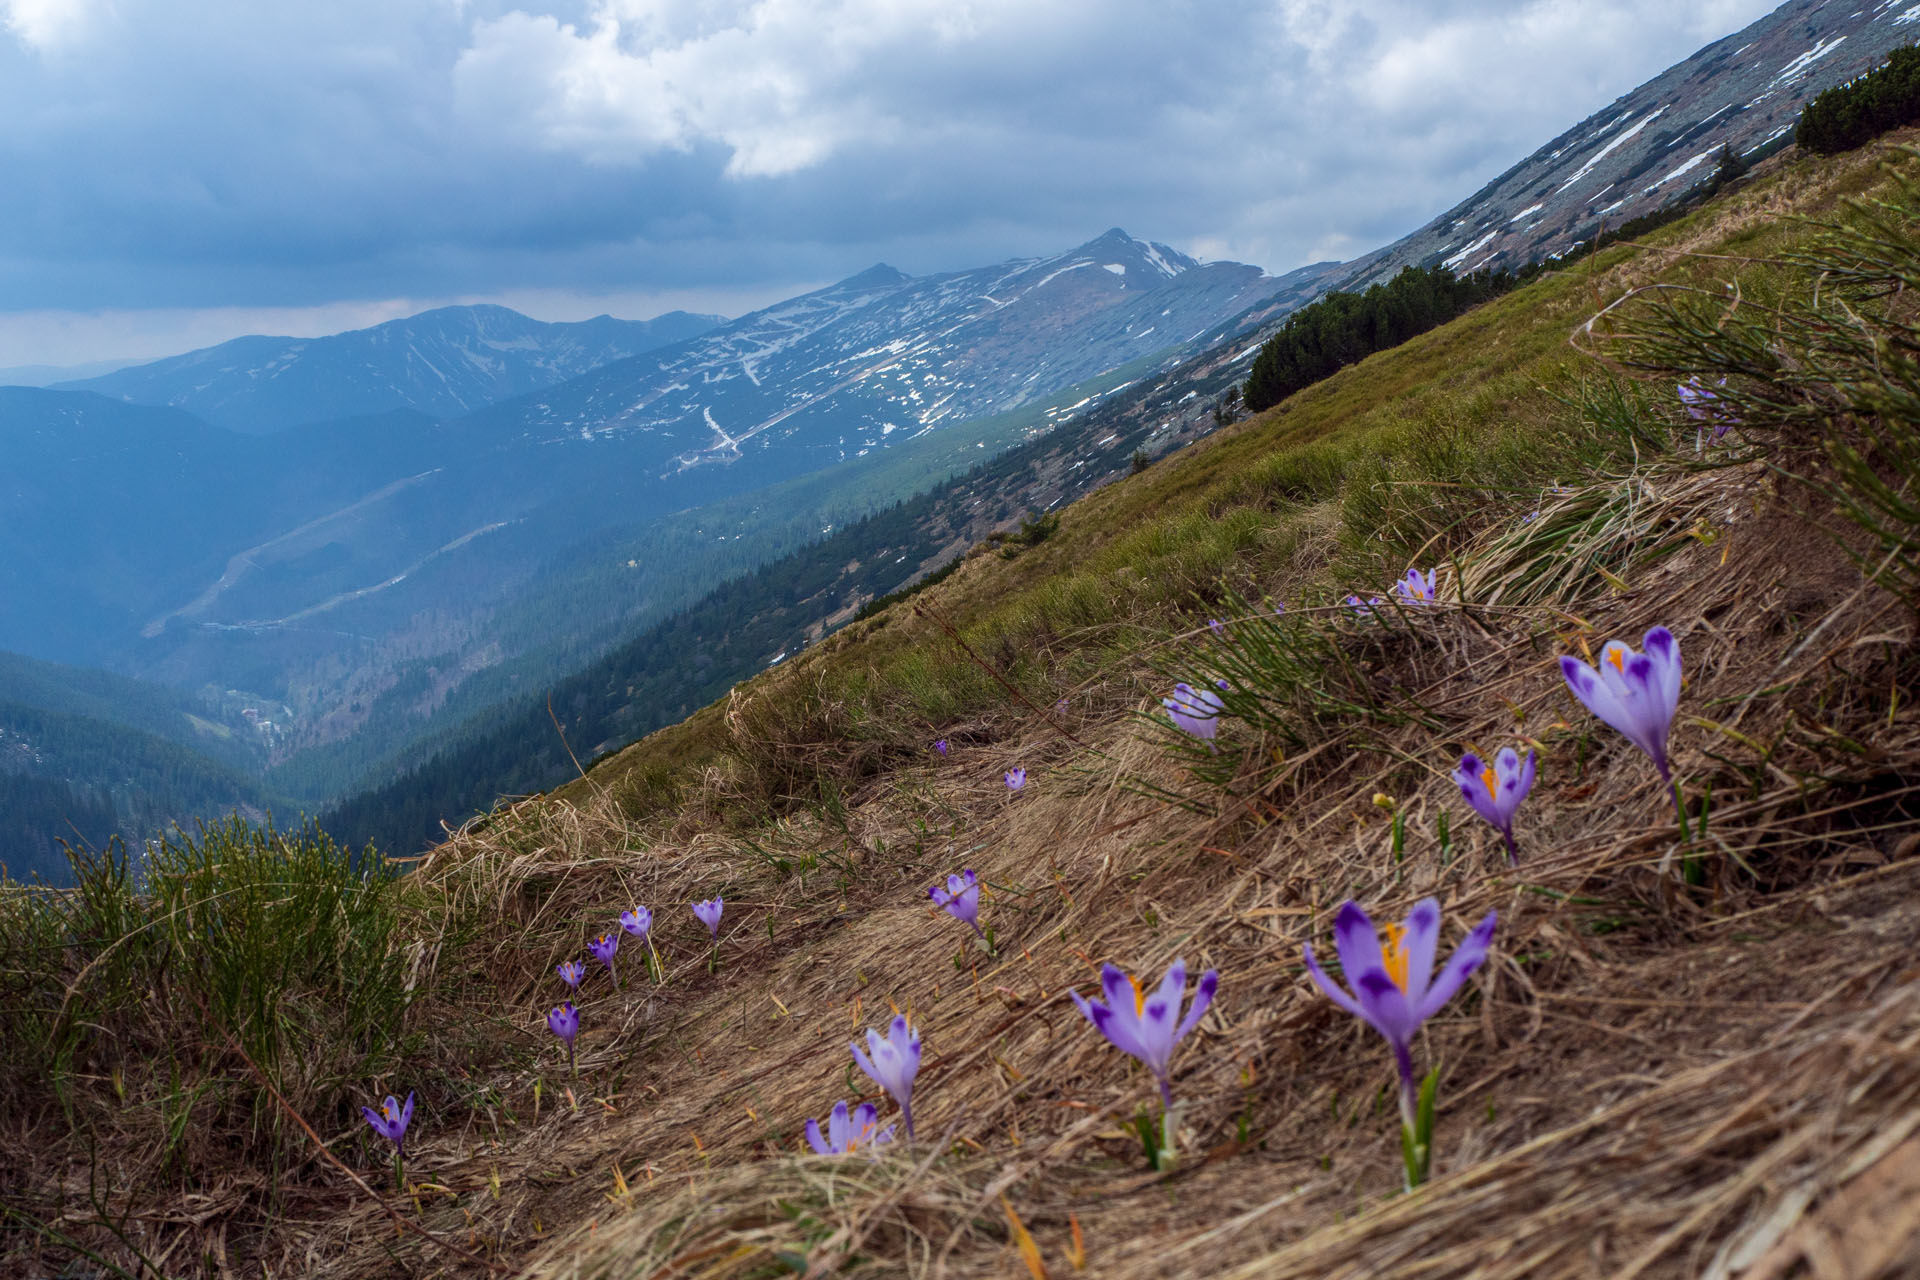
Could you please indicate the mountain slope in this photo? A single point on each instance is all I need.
(87, 756)
(118, 515)
(846, 369)
(1651, 146)
(218, 727)
(442, 363)
(75, 778)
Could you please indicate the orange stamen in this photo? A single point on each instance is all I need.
(1393, 954)
(1488, 778)
(1617, 656)
(1139, 998)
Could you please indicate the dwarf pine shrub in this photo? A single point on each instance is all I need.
(1853, 114)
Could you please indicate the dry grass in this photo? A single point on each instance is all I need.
(1650, 1077)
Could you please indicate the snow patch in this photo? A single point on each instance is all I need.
(1470, 250)
(1527, 212)
(1118, 268)
(1062, 271)
(1688, 167)
(1153, 256)
(1602, 153)
(1798, 67)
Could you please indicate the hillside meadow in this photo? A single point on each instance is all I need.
(1693, 1047)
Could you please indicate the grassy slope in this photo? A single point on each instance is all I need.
(1640, 1079)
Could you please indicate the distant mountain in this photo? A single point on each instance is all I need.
(1656, 143)
(45, 375)
(442, 363)
(366, 573)
(664, 672)
(883, 357)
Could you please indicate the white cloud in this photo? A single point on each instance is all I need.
(782, 84)
(50, 24)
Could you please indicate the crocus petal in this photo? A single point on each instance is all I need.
(1173, 987)
(1598, 698)
(1332, 989)
(1119, 991)
(1660, 646)
(1459, 967)
(1384, 1004)
(1157, 1022)
(1643, 677)
(865, 1064)
(837, 1127)
(909, 1046)
(1471, 775)
(1121, 1035)
(1359, 946)
(1421, 939)
(814, 1139)
(1506, 765)
(1202, 997)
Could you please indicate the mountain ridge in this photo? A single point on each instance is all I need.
(443, 362)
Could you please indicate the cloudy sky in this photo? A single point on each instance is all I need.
(177, 172)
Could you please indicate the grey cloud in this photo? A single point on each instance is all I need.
(207, 153)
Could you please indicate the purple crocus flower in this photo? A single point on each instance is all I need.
(1363, 608)
(571, 972)
(1016, 778)
(1216, 626)
(846, 1133)
(1148, 1027)
(1496, 790)
(1695, 397)
(1395, 988)
(1703, 405)
(564, 1021)
(1636, 693)
(893, 1064)
(709, 913)
(1196, 711)
(391, 1120)
(960, 899)
(941, 747)
(1279, 607)
(1415, 588)
(603, 948)
(638, 922)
